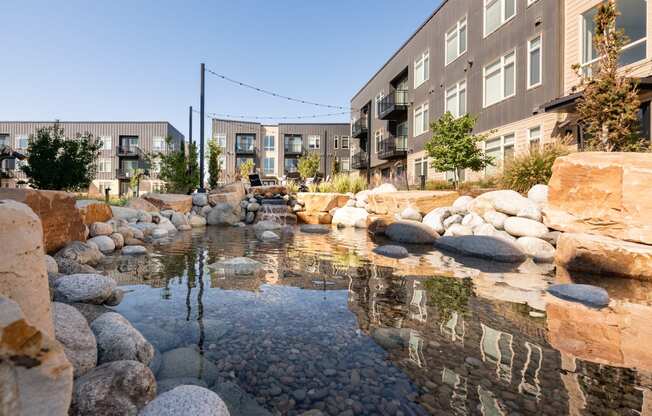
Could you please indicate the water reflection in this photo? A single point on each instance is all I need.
(329, 325)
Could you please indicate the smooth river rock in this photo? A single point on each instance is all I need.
(538, 194)
(134, 250)
(87, 288)
(104, 243)
(411, 232)
(117, 340)
(72, 331)
(525, 227)
(350, 217)
(410, 214)
(540, 250)
(100, 228)
(80, 252)
(396, 252)
(588, 295)
(506, 201)
(435, 218)
(492, 248)
(188, 401)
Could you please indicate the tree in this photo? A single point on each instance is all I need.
(134, 181)
(178, 170)
(335, 167)
(608, 109)
(60, 163)
(246, 168)
(308, 165)
(214, 163)
(454, 147)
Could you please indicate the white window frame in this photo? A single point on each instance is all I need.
(502, 149)
(103, 163)
(220, 138)
(348, 163)
(20, 137)
(529, 63)
(456, 30)
(531, 2)
(158, 139)
(107, 142)
(503, 18)
(502, 78)
(422, 61)
(265, 144)
(343, 140)
(378, 137)
(422, 110)
(459, 87)
(265, 160)
(529, 135)
(377, 100)
(314, 142)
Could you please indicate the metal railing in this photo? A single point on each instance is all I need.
(393, 146)
(129, 150)
(396, 101)
(359, 127)
(293, 148)
(359, 160)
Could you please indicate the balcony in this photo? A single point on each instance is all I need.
(359, 160)
(244, 150)
(127, 174)
(125, 150)
(293, 149)
(393, 148)
(359, 128)
(394, 106)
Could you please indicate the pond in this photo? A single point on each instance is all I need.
(331, 326)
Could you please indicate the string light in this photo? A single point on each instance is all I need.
(248, 117)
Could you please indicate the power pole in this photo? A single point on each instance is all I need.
(325, 153)
(190, 136)
(369, 145)
(201, 133)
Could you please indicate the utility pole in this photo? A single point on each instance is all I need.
(369, 145)
(325, 153)
(201, 133)
(190, 136)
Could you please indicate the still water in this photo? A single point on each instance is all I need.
(328, 325)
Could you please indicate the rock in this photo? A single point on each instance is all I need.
(461, 204)
(524, 227)
(410, 214)
(115, 388)
(456, 230)
(128, 232)
(167, 213)
(485, 229)
(222, 214)
(159, 233)
(604, 255)
(187, 362)
(90, 311)
(423, 201)
(179, 220)
(72, 267)
(411, 233)
(51, 266)
(361, 204)
(492, 248)
(497, 219)
(552, 237)
(348, 216)
(540, 250)
(176, 202)
(100, 228)
(435, 218)
(145, 229)
(250, 217)
(118, 240)
(453, 219)
(472, 220)
(166, 224)
(104, 243)
(505, 236)
(187, 401)
(116, 297)
(237, 266)
(118, 340)
(312, 217)
(36, 378)
(93, 211)
(538, 194)
(351, 203)
(266, 225)
(362, 196)
(268, 191)
(253, 207)
(377, 224)
(239, 402)
(533, 213)
(505, 201)
(205, 210)
(588, 295)
(61, 222)
(200, 199)
(72, 331)
(385, 187)
(144, 216)
(135, 250)
(314, 229)
(82, 253)
(168, 384)
(87, 288)
(269, 236)
(124, 213)
(142, 204)
(395, 252)
(133, 242)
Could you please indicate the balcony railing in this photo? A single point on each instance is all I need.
(393, 147)
(293, 148)
(129, 173)
(244, 150)
(394, 105)
(359, 128)
(129, 150)
(359, 160)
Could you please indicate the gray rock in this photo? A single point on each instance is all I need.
(155, 364)
(51, 265)
(146, 229)
(197, 221)
(187, 401)
(538, 194)
(453, 219)
(100, 228)
(525, 227)
(461, 204)
(82, 253)
(540, 250)
(87, 288)
(238, 266)
(118, 240)
(133, 250)
(115, 388)
(222, 214)
(253, 207)
(588, 295)
(179, 221)
(315, 229)
(411, 232)
(395, 252)
(168, 384)
(200, 199)
(124, 213)
(435, 218)
(166, 224)
(269, 236)
(410, 214)
(116, 297)
(72, 331)
(159, 233)
(118, 340)
(391, 338)
(144, 216)
(250, 217)
(90, 311)
(266, 225)
(552, 237)
(497, 219)
(492, 248)
(187, 362)
(104, 243)
(167, 213)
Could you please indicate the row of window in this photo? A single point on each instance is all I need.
(22, 142)
(290, 164)
(292, 142)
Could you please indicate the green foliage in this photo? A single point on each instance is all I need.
(454, 147)
(246, 168)
(214, 163)
(313, 187)
(292, 187)
(335, 167)
(448, 295)
(178, 170)
(534, 167)
(609, 106)
(491, 182)
(308, 165)
(340, 183)
(134, 182)
(60, 163)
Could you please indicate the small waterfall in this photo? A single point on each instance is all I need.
(279, 213)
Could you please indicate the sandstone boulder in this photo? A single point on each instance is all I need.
(268, 190)
(321, 202)
(423, 201)
(93, 211)
(349, 216)
(87, 288)
(141, 204)
(177, 202)
(491, 248)
(305, 217)
(187, 400)
(118, 340)
(222, 214)
(230, 194)
(72, 331)
(411, 232)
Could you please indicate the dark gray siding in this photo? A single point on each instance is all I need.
(230, 129)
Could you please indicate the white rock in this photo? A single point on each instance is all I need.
(461, 204)
(497, 219)
(541, 251)
(410, 214)
(472, 220)
(361, 204)
(362, 196)
(351, 203)
(100, 228)
(104, 243)
(51, 265)
(505, 201)
(538, 194)
(435, 218)
(188, 401)
(386, 187)
(159, 233)
(269, 236)
(453, 219)
(457, 230)
(485, 229)
(525, 227)
(533, 213)
(349, 216)
(133, 250)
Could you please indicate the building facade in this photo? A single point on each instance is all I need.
(124, 148)
(498, 60)
(276, 149)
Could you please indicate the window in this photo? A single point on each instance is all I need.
(378, 137)
(497, 13)
(107, 142)
(501, 149)
(22, 141)
(293, 143)
(534, 137)
(421, 69)
(456, 99)
(104, 165)
(269, 143)
(4, 140)
(336, 141)
(221, 140)
(345, 142)
(240, 160)
(345, 164)
(531, 2)
(631, 19)
(158, 144)
(291, 165)
(500, 79)
(534, 66)
(421, 119)
(420, 167)
(456, 41)
(313, 142)
(268, 165)
(244, 143)
(378, 101)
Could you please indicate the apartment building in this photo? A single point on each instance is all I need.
(499, 60)
(124, 147)
(276, 149)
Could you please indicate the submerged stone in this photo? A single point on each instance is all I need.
(487, 247)
(238, 266)
(396, 252)
(588, 295)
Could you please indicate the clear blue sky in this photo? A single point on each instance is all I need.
(139, 59)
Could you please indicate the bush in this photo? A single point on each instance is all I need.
(292, 187)
(532, 168)
(340, 183)
(308, 165)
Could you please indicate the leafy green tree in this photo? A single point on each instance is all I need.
(60, 163)
(308, 165)
(609, 106)
(134, 180)
(335, 167)
(454, 147)
(214, 163)
(178, 170)
(246, 168)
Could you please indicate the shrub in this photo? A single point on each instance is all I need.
(325, 187)
(292, 187)
(308, 165)
(313, 187)
(532, 168)
(341, 183)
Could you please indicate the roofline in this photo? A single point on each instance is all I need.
(87, 122)
(279, 124)
(400, 48)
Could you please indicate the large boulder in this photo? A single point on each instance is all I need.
(117, 340)
(93, 211)
(35, 376)
(125, 213)
(222, 214)
(604, 255)
(104, 243)
(540, 250)
(60, 219)
(238, 266)
(141, 204)
(505, 201)
(230, 194)
(487, 247)
(395, 202)
(115, 388)
(525, 227)
(72, 331)
(187, 362)
(435, 218)
(350, 216)
(177, 202)
(200, 199)
(80, 252)
(186, 400)
(411, 232)
(588, 295)
(321, 202)
(87, 288)
(461, 204)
